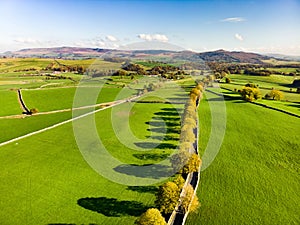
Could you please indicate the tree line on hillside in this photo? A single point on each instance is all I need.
(253, 69)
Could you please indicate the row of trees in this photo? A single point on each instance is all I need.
(184, 162)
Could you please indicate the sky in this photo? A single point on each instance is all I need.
(263, 26)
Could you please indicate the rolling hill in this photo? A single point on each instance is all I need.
(76, 52)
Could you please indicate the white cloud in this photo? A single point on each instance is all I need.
(239, 37)
(96, 43)
(154, 37)
(21, 40)
(111, 38)
(233, 19)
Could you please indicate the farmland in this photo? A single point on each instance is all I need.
(46, 179)
(255, 174)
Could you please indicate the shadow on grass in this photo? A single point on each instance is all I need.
(149, 156)
(143, 189)
(152, 145)
(154, 171)
(167, 113)
(171, 109)
(164, 138)
(163, 130)
(112, 207)
(173, 100)
(166, 118)
(160, 123)
(296, 106)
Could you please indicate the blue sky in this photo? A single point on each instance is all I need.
(257, 26)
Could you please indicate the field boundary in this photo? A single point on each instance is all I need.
(264, 105)
(178, 217)
(22, 103)
(68, 121)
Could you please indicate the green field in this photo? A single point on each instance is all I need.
(291, 100)
(255, 177)
(46, 180)
(56, 177)
(56, 186)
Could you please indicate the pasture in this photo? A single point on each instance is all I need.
(55, 185)
(45, 179)
(255, 177)
(291, 100)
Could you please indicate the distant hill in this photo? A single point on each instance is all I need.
(59, 52)
(238, 57)
(284, 57)
(76, 52)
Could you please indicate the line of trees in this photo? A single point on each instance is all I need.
(184, 162)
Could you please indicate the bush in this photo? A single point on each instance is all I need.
(167, 197)
(179, 181)
(276, 95)
(34, 110)
(250, 93)
(188, 203)
(193, 164)
(227, 80)
(179, 160)
(151, 217)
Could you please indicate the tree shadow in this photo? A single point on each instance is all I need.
(171, 109)
(163, 130)
(152, 145)
(167, 113)
(155, 171)
(165, 118)
(149, 156)
(173, 100)
(225, 98)
(164, 138)
(143, 189)
(112, 207)
(161, 123)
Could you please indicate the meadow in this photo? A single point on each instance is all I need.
(255, 177)
(291, 99)
(55, 185)
(46, 180)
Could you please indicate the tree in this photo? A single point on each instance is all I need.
(151, 217)
(179, 181)
(250, 93)
(195, 94)
(167, 197)
(193, 164)
(179, 160)
(187, 134)
(276, 95)
(188, 202)
(227, 80)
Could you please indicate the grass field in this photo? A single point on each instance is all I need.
(255, 177)
(45, 179)
(291, 101)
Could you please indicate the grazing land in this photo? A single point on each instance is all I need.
(255, 176)
(45, 179)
